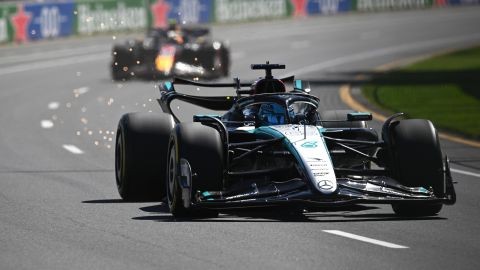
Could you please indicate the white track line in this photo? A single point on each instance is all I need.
(347, 59)
(465, 172)
(300, 45)
(80, 91)
(53, 105)
(13, 59)
(54, 63)
(46, 124)
(364, 239)
(72, 149)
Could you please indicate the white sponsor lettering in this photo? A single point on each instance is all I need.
(3, 30)
(103, 20)
(189, 11)
(50, 21)
(313, 153)
(368, 5)
(239, 10)
(328, 6)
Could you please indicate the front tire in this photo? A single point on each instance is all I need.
(140, 155)
(416, 160)
(202, 148)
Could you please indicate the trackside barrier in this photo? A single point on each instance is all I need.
(23, 21)
(109, 15)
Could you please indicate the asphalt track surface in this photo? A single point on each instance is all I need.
(59, 208)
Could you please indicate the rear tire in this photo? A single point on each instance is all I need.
(121, 62)
(140, 155)
(202, 148)
(225, 61)
(417, 162)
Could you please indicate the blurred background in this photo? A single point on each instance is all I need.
(70, 69)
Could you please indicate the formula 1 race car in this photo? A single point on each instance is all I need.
(276, 148)
(187, 52)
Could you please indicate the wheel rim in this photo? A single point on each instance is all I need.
(119, 160)
(172, 164)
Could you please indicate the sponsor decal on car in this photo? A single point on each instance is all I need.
(309, 144)
(313, 154)
(325, 184)
(165, 59)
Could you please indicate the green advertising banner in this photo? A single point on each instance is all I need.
(7, 14)
(28, 20)
(378, 5)
(109, 15)
(243, 10)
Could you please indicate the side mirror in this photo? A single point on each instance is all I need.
(300, 85)
(359, 116)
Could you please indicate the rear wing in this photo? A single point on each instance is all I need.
(168, 93)
(217, 103)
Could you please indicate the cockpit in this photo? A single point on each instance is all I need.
(274, 112)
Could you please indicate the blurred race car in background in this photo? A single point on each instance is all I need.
(180, 51)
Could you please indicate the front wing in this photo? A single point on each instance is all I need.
(380, 190)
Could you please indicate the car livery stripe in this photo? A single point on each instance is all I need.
(311, 151)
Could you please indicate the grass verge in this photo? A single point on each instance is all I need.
(444, 89)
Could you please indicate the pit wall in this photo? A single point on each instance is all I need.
(24, 21)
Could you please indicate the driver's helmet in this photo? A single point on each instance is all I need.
(271, 114)
(173, 25)
(175, 31)
(262, 86)
(302, 111)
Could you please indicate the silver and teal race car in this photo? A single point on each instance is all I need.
(275, 147)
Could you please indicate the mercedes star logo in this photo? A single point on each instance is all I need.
(325, 184)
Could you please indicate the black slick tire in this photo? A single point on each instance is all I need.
(140, 155)
(417, 162)
(122, 60)
(202, 147)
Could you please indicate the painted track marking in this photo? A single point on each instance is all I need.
(80, 91)
(72, 149)
(53, 105)
(364, 239)
(46, 124)
(347, 59)
(299, 45)
(465, 172)
(53, 63)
